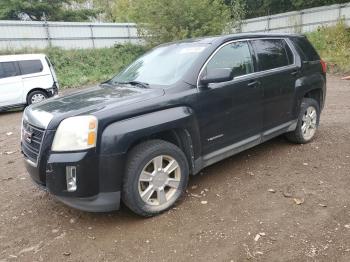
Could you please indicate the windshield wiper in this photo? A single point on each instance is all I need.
(136, 83)
(133, 83)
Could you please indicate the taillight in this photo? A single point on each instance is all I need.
(324, 66)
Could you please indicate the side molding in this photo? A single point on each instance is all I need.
(243, 145)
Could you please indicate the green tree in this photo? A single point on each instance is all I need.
(38, 10)
(162, 21)
(301, 4)
(256, 8)
(105, 7)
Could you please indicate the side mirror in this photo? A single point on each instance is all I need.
(216, 75)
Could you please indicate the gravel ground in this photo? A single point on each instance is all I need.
(275, 202)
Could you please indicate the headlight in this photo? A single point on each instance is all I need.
(76, 133)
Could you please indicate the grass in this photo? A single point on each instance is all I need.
(333, 44)
(79, 67)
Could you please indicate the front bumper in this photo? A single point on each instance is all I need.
(102, 202)
(91, 195)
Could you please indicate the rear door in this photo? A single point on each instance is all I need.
(11, 87)
(277, 74)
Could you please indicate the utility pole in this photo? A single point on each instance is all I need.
(46, 26)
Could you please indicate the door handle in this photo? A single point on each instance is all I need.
(253, 83)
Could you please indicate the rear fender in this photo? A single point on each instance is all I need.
(306, 84)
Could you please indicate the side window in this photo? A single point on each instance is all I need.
(235, 56)
(272, 53)
(8, 69)
(30, 66)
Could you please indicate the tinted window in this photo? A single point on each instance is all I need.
(8, 69)
(235, 56)
(306, 50)
(30, 66)
(272, 53)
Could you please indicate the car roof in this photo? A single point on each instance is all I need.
(258, 35)
(229, 37)
(5, 58)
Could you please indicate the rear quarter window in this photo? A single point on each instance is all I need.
(306, 50)
(272, 53)
(30, 66)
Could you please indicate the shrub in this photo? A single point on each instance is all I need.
(79, 67)
(333, 44)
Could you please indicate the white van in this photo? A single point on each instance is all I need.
(25, 80)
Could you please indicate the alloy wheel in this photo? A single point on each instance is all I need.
(37, 98)
(309, 123)
(159, 180)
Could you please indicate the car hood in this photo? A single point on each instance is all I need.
(87, 101)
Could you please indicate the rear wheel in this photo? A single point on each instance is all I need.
(36, 97)
(156, 176)
(308, 121)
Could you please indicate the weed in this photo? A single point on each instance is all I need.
(79, 67)
(333, 44)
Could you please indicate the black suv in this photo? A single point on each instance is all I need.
(179, 108)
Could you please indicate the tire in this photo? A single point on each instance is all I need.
(36, 97)
(137, 189)
(299, 136)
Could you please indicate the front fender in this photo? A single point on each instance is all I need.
(118, 137)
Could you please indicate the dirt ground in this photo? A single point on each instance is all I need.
(243, 208)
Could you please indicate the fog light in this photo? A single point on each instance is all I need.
(71, 178)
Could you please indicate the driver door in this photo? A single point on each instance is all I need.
(231, 111)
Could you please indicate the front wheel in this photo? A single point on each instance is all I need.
(308, 122)
(156, 176)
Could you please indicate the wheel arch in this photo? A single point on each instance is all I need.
(33, 90)
(178, 136)
(311, 86)
(316, 94)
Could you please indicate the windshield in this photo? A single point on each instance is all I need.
(164, 65)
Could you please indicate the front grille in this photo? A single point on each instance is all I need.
(32, 138)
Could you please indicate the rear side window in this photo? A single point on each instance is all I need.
(8, 69)
(235, 56)
(306, 50)
(272, 53)
(30, 66)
